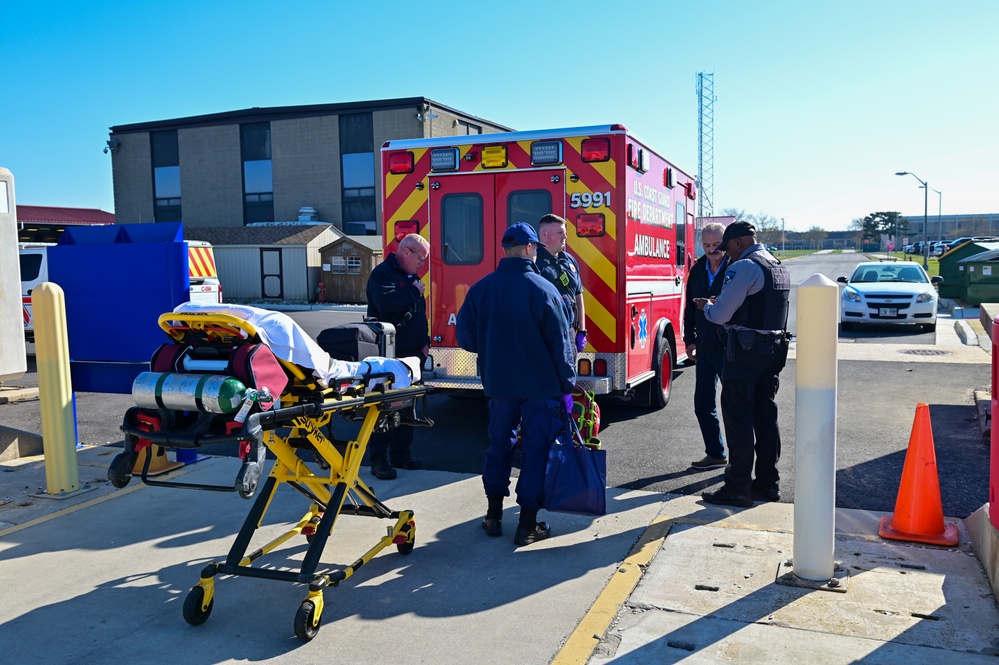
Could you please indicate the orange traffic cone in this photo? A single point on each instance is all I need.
(918, 513)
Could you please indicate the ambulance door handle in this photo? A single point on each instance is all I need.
(438, 339)
(634, 311)
(677, 280)
(555, 179)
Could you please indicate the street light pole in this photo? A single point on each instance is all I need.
(939, 217)
(926, 199)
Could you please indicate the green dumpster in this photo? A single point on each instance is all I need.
(981, 277)
(953, 270)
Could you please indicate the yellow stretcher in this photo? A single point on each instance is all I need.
(298, 421)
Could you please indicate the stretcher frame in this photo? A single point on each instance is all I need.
(305, 409)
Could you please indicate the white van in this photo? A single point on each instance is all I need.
(34, 263)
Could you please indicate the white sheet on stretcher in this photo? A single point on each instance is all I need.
(288, 341)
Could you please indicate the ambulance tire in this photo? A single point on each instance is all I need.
(661, 385)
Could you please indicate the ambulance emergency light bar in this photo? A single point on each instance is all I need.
(443, 159)
(546, 153)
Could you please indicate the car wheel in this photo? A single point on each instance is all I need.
(845, 327)
(930, 327)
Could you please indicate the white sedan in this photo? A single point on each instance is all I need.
(889, 292)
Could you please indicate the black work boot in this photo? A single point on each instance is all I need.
(493, 521)
(381, 469)
(530, 530)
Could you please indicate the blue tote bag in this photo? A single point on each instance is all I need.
(576, 476)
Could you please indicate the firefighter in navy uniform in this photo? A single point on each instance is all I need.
(396, 295)
(752, 307)
(560, 268)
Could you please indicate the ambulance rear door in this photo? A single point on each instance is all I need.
(467, 212)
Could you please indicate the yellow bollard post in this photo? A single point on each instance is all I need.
(55, 392)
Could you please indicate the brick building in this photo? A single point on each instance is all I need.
(265, 164)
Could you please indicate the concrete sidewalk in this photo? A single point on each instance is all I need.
(100, 577)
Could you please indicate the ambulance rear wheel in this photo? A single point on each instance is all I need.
(662, 383)
(306, 622)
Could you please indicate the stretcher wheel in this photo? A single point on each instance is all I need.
(405, 548)
(306, 622)
(120, 470)
(193, 614)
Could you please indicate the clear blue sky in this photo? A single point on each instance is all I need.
(818, 103)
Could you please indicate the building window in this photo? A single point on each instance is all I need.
(258, 181)
(338, 265)
(353, 265)
(461, 228)
(468, 128)
(166, 176)
(357, 185)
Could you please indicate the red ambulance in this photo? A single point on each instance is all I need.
(630, 215)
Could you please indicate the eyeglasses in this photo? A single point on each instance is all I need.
(421, 259)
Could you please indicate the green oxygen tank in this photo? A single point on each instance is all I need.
(210, 393)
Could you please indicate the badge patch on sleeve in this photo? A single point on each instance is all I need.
(729, 276)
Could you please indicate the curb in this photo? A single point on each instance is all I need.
(964, 331)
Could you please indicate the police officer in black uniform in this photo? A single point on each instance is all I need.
(560, 268)
(752, 307)
(396, 295)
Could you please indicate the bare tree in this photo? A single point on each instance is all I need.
(815, 236)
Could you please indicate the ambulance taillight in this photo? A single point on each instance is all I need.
(405, 227)
(401, 162)
(590, 225)
(595, 150)
(600, 367)
(584, 368)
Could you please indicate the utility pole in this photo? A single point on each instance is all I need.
(783, 235)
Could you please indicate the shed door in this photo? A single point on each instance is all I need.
(270, 273)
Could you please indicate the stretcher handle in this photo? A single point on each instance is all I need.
(203, 320)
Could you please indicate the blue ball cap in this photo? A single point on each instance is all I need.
(520, 233)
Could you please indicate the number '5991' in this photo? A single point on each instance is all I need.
(587, 200)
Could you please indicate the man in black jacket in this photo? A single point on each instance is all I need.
(396, 296)
(704, 344)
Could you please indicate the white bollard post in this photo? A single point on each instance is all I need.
(815, 428)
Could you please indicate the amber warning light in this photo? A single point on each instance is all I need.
(401, 162)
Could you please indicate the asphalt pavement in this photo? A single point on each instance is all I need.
(662, 578)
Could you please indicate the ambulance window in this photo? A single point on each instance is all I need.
(528, 206)
(461, 229)
(681, 234)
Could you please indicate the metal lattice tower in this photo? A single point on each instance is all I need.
(705, 143)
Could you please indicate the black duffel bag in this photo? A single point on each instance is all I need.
(354, 341)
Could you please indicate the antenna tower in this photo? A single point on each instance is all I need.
(705, 143)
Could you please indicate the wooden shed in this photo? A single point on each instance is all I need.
(269, 261)
(347, 264)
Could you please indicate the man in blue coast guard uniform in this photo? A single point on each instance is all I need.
(752, 307)
(514, 320)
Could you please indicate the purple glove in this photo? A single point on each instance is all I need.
(567, 403)
(580, 341)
